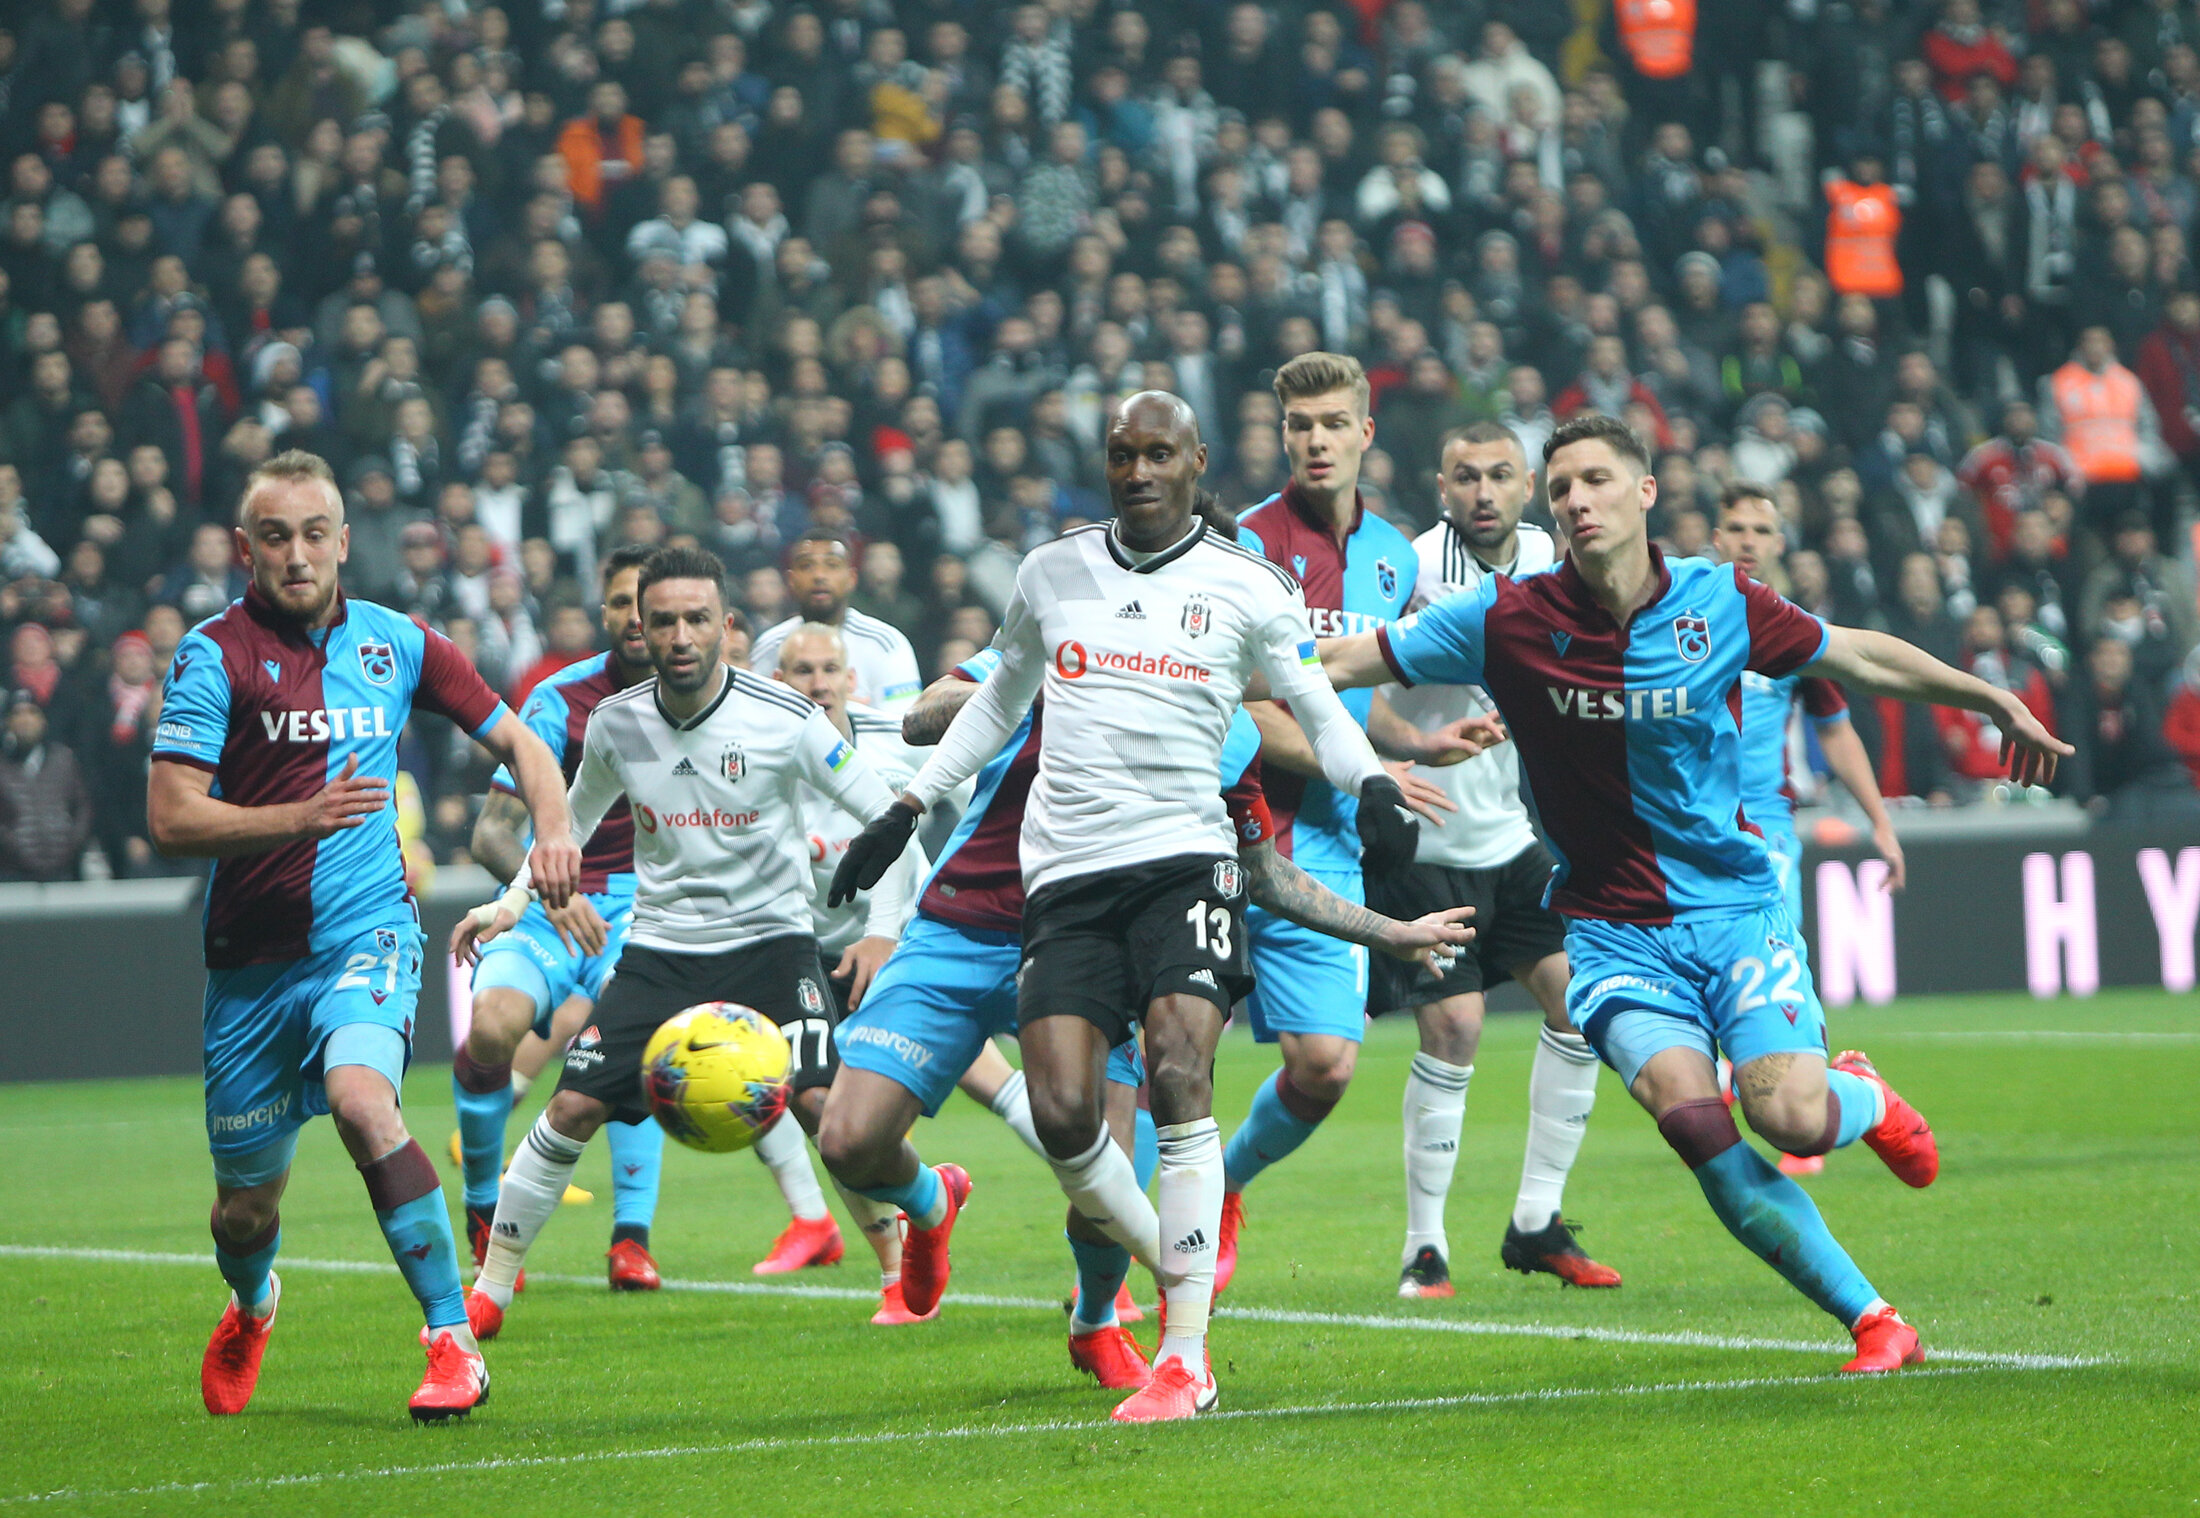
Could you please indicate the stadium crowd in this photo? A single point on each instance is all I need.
(545, 279)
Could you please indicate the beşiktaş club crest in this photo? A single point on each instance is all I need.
(1386, 579)
(733, 764)
(813, 1000)
(378, 662)
(1692, 635)
(1198, 617)
(1229, 878)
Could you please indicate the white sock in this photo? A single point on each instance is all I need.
(786, 1153)
(542, 1166)
(520, 1083)
(1562, 1090)
(881, 1225)
(1435, 1108)
(1191, 1222)
(1101, 1185)
(1012, 1105)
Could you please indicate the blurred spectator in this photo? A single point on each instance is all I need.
(45, 805)
(2123, 763)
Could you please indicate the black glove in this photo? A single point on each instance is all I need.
(873, 851)
(1388, 832)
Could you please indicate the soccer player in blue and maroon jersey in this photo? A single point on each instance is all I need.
(553, 956)
(274, 755)
(1619, 675)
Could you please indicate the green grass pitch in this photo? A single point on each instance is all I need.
(2052, 1269)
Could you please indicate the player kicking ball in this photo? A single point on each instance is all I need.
(712, 761)
(278, 735)
(557, 955)
(1143, 633)
(1618, 675)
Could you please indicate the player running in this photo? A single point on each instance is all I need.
(1619, 676)
(556, 956)
(277, 741)
(712, 761)
(1751, 536)
(820, 578)
(1143, 632)
(1487, 857)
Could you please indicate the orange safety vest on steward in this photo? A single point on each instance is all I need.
(1659, 35)
(1861, 223)
(2100, 421)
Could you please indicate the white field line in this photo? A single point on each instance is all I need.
(2036, 1036)
(966, 1431)
(1681, 1339)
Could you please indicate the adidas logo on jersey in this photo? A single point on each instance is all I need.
(1204, 978)
(1132, 613)
(685, 770)
(1192, 1242)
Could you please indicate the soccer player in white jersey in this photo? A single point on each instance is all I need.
(820, 578)
(1143, 633)
(713, 762)
(1487, 857)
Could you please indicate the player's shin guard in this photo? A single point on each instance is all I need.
(1012, 1105)
(1100, 1185)
(1191, 1225)
(1100, 1272)
(533, 1187)
(1764, 1209)
(245, 1263)
(1435, 1109)
(1145, 1148)
(1562, 1091)
(1283, 1117)
(786, 1153)
(408, 1203)
(483, 1097)
(637, 1165)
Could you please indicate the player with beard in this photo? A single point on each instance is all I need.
(557, 960)
(277, 741)
(820, 579)
(1144, 633)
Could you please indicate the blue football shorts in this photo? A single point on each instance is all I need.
(269, 1026)
(1304, 981)
(943, 992)
(534, 961)
(1738, 985)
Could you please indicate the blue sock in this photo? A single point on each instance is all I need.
(637, 1165)
(483, 1096)
(408, 1203)
(919, 1197)
(1271, 1130)
(1145, 1149)
(1778, 1221)
(1859, 1100)
(1100, 1272)
(245, 1265)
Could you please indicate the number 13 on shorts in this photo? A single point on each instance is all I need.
(1211, 929)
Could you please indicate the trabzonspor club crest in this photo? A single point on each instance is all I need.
(378, 662)
(1692, 635)
(1386, 579)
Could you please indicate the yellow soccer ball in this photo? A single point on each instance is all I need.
(716, 1076)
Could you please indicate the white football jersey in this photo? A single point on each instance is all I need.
(1491, 826)
(1143, 660)
(885, 664)
(885, 909)
(721, 853)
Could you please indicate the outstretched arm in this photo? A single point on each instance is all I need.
(1354, 662)
(554, 861)
(1886, 666)
(499, 843)
(1279, 886)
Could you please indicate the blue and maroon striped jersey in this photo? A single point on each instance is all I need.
(1766, 705)
(272, 711)
(1631, 737)
(1355, 588)
(557, 712)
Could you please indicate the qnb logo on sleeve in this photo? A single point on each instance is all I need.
(1655, 703)
(329, 724)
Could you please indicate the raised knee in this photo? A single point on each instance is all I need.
(1324, 1076)
(242, 1214)
(1068, 1124)
(1788, 1122)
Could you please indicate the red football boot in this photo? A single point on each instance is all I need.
(1111, 1357)
(1801, 1164)
(478, 1224)
(631, 1268)
(1902, 1138)
(1127, 1311)
(893, 1309)
(231, 1368)
(457, 1381)
(806, 1242)
(1226, 1245)
(483, 1316)
(1170, 1394)
(1552, 1250)
(1883, 1343)
(924, 1263)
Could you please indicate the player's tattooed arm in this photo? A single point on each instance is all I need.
(1279, 886)
(499, 842)
(925, 723)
